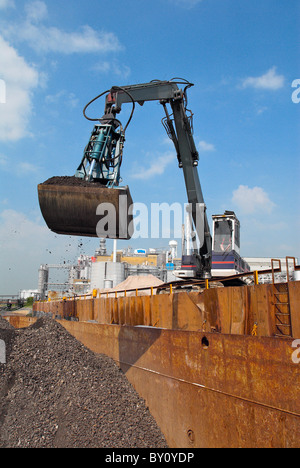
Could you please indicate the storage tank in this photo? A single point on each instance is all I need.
(102, 271)
(98, 275)
(115, 272)
(173, 246)
(43, 281)
(108, 284)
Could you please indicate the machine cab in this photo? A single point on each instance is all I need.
(226, 259)
(226, 233)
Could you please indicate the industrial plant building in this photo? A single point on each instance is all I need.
(105, 270)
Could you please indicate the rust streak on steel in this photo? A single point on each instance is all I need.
(204, 387)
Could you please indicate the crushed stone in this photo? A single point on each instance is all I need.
(70, 181)
(56, 393)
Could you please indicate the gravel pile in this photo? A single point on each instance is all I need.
(70, 181)
(56, 393)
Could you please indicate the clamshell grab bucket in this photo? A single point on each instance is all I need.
(74, 207)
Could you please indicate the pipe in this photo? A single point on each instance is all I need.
(115, 251)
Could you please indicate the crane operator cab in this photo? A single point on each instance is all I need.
(226, 259)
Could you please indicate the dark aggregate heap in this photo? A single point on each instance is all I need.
(56, 393)
(70, 181)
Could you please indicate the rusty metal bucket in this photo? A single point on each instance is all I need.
(86, 209)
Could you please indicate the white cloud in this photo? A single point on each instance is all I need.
(157, 167)
(279, 226)
(112, 67)
(20, 79)
(252, 200)
(21, 168)
(13, 222)
(270, 81)
(45, 39)
(36, 11)
(261, 110)
(6, 4)
(68, 99)
(25, 244)
(21, 243)
(204, 146)
(26, 168)
(3, 161)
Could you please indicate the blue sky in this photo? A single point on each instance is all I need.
(242, 56)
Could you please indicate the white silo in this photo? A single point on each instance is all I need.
(107, 273)
(43, 280)
(173, 247)
(98, 275)
(115, 271)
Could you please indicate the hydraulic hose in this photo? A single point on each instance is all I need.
(114, 88)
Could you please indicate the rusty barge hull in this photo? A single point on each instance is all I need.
(206, 390)
(208, 381)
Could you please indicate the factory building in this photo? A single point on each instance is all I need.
(265, 263)
(106, 270)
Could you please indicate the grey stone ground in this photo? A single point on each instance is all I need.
(55, 393)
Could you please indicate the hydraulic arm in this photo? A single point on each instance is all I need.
(179, 127)
(102, 159)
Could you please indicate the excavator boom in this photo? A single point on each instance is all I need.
(91, 203)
